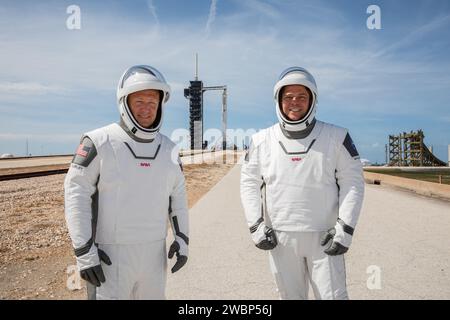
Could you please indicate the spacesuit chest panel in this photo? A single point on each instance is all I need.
(300, 178)
(134, 188)
(308, 161)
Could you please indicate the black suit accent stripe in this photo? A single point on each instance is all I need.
(184, 237)
(175, 224)
(346, 228)
(177, 230)
(256, 225)
(84, 249)
(296, 153)
(263, 184)
(144, 158)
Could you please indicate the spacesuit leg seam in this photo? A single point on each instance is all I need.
(331, 275)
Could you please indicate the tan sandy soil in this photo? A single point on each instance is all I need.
(35, 250)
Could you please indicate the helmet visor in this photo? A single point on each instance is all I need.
(305, 72)
(142, 69)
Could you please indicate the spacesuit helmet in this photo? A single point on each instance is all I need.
(139, 78)
(296, 76)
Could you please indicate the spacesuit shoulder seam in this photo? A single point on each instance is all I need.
(98, 136)
(336, 131)
(165, 139)
(259, 137)
(166, 144)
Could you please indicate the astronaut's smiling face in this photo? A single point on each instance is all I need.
(295, 101)
(144, 106)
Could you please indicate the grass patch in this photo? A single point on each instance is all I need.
(423, 176)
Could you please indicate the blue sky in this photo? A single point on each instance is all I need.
(57, 83)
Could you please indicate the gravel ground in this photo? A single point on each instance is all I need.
(35, 250)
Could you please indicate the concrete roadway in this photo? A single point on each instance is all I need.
(401, 249)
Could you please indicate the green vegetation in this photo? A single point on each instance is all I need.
(424, 176)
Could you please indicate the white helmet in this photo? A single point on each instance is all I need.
(296, 76)
(138, 78)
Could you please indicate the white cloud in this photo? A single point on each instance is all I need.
(415, 35)
(248, 59)
(152, 9)
(211, 16)
(29, 88)
(263, 8)
(97, 57)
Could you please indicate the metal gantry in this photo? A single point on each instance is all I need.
(195, 95)
(409, 150)
(224, 112)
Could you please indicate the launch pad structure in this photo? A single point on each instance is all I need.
(409, 150)
(195, 95)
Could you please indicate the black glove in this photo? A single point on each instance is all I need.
(181, 259)
(270, 240)
(334, 248)
(95, 275)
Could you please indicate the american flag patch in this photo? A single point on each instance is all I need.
(83, 150)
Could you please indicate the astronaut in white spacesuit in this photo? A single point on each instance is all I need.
(125, 182)
(302, 189)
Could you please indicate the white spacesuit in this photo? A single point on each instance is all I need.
(302, 190)
(125, 182)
